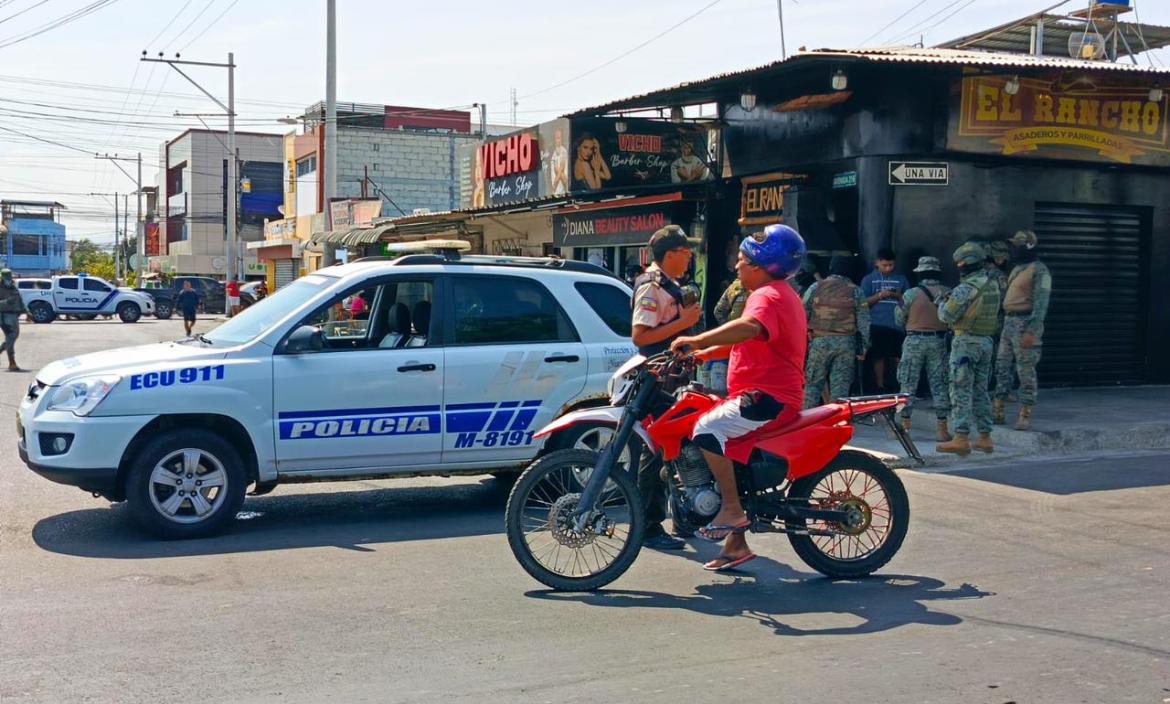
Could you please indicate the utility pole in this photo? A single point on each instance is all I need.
(232, 178)
(117, 242)
(126, 231)
(140, 229)
(138, 186)
(329, 255)
(780, 11)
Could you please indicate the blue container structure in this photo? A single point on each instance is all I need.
(32, 242)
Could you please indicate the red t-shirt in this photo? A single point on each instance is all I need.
(772, 362)
(233, 288)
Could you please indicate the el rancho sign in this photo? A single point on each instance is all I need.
(1070, 116)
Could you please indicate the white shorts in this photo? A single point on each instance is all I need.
(233, 300)
(734, 418)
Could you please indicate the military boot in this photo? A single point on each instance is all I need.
(1024, 421)
(944, 433)
(906, 423)
(984, 443)
(958, 445)
(998, 415)
(12, 362)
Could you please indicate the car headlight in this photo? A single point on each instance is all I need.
(83, 395)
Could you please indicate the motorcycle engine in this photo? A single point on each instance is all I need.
(699, 497)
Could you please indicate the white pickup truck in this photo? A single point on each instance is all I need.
(83, 297)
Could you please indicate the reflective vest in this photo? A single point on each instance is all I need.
(664, 282)
(833, 306)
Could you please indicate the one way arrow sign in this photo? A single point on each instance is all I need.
(919, 173)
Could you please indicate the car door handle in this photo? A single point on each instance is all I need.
(417, 368)
(563, 358)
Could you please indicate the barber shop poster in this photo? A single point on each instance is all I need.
(643, 153)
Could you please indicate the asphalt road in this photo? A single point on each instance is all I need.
(1039, 581)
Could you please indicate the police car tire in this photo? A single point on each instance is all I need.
(138, 484)
(129, 312)
(163, 311)
(41, 312)
(567, 438)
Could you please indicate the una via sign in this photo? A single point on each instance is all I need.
(919, 173)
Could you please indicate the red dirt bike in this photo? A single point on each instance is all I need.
(574, 519)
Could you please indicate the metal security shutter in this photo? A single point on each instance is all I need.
(286, 272)
(1095, 331)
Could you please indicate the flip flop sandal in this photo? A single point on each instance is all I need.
(729, 564)
(715, 533)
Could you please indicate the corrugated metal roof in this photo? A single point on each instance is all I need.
(705, 89)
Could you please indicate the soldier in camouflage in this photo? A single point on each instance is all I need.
(971, 310)
(838, 323)
(1025, 305)
(11, 308)
(998, 254)
(925, 345)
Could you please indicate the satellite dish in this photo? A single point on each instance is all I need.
(1088, 45)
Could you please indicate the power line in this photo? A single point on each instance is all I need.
(914, 29)
(190, 24)
(18, 14)
(626, 53)
(894, 21)
(217, 19)
(167, 26)
(59, 22)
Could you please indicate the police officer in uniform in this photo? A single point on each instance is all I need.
(925, 346)
(1025, 305)
(663, 310)
(838, 323)
(11, 308)
(971, 310)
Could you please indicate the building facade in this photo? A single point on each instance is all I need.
(32, 241)
(192, 201)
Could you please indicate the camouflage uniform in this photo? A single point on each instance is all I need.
(997, 249)
(837, 318)
(925, 345)
(971, 310)
(1025, 306)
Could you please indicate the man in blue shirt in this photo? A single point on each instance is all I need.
(187, 302)
(883, 289)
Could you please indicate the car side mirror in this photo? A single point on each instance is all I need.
(306, 338)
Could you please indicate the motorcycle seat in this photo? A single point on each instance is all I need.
(812, 416)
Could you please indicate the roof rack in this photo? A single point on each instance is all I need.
(491, 260)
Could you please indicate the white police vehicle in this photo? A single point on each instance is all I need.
(83, 297)
(453, 366)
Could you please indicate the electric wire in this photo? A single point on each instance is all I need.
(894, 21)
(213, 22)
(27, 9)
(59, 22)
(921, 28)
(168, 24)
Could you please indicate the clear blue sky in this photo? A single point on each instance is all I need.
(441, 53)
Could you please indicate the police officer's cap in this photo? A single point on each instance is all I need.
(927, 264)
(667, 239)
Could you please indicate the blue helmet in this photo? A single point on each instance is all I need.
(778, 250)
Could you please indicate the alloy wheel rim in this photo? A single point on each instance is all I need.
(188, 486)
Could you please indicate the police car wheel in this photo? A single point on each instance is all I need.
(594, 437)
(41, 312)
(129, 312)
(186, 484)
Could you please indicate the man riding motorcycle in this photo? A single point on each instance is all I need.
(765, 377)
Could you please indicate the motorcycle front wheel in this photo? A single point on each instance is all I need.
(541, 524)
(874, 496)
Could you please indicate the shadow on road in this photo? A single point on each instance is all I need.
(349, 520)
(870, 605)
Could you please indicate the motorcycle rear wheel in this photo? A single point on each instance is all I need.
(860, 480)
(541, 503)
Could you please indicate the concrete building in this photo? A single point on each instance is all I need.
(192, 237)
(32, 242)
(408, 158)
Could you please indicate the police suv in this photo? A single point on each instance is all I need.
(81, 296)
(448, 366)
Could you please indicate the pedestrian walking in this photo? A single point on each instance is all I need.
(883, 288)
(971, 310)
(187, 302)
(925, 346)
(232, 290)
(839, 328)
(662, 312)
(1025, 305)
(11, 308)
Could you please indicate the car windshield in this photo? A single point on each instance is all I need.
(259, 318)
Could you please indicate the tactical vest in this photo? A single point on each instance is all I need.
(1018, 298)
(833, 307)
(982, 316)
(665, 283)
(10, 301)
(923, 313)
